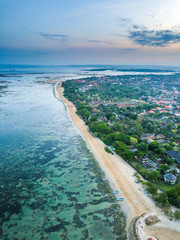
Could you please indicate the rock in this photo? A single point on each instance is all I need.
(151, 220)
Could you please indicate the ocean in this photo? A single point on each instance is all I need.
(51, 187)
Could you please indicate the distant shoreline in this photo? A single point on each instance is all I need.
(118, 172)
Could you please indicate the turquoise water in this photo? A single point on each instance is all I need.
(50, 184)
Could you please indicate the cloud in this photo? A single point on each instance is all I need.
(153, 38)
(98, 41)
(56, 37)
(94, 41)
(66, 38)
(128, 49)
(125, 20)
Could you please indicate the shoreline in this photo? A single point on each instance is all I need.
(119, 174)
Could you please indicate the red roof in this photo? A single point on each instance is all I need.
(163, 111)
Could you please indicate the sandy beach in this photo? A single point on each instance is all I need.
(121, 177)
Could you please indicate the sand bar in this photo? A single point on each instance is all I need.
(119, 173)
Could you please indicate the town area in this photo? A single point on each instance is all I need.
(137, 117)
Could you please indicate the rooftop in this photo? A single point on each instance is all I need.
(170, 176)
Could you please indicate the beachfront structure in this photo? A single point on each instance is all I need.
(169, 178)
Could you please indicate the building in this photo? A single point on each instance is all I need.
(148, 136)
(158, 160)
(169, 178)
(160, 136)
(174, 155)
(151, 164)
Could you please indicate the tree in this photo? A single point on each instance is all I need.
(168, 147)
(177, 187)
(147, 125)
(163, 168)
(177, 214)
(131, 115)
(154, 146)
(153, 175)
(144, 172)
(82, 106)
(127, 155)
(93, 119)
(173, 196)
(139, 154)
(143, 147)
(109, 139)
(178, 202)
(119, 146)
(109, 115)
(169, 161)
(133, 140)
(84, 113)
(151, 188)
(136, 136)
(178, 129)
(103, 128)
(100, 127)
(167, 205)
(161, 198)
(122, 137)
(160, 151)
(112, 119)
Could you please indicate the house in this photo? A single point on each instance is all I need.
(151, 111)
(148, 136)
(171, 169)
(158, 160)
(174, 155)
(151, 164)
(133, 150)
(100, 119)
(153, 168)
(160, 136)
(160, 141)
(169, 178)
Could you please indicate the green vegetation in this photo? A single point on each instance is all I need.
(127, 112)
(177, 214)
(161, 198)
(153, 176)
(108, 150)
(151, 188)
(174, 195)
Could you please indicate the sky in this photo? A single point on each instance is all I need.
(54, 32)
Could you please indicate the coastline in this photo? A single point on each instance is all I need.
(120, 176)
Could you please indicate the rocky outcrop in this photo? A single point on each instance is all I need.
(151, 220)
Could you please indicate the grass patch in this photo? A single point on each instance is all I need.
(164, 186)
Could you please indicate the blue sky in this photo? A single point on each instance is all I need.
(90, 32)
